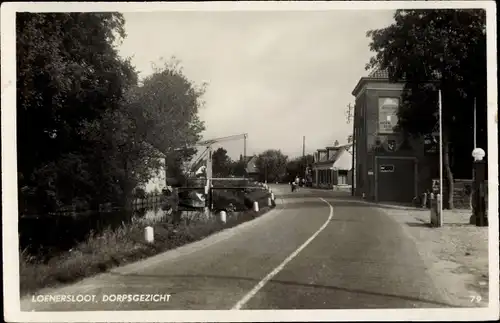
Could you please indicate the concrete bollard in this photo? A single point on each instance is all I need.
(433, 209)
(436, 216)
(149, 234)
(256, 206)
(223, 216)
(269, 202)
(424, 200)
(439, 209)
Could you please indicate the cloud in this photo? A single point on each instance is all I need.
(276, 75)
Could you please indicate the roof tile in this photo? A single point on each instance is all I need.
(379, 74)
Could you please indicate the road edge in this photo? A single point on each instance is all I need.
(180, 251)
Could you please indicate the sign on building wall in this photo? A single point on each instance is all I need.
(387, 114)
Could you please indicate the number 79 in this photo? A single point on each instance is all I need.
(475, 298)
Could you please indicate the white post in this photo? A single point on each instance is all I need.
(433, 211)
(269, 202)
(440, 211)
(223, 215)
(149, 234)
(256, 206)
(206, 212)
(272, 196)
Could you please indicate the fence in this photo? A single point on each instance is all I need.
(462, 190)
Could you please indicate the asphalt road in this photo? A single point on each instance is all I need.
(316, 250)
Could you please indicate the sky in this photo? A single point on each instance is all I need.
(277, 76)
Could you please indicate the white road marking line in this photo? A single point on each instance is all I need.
(276, 270)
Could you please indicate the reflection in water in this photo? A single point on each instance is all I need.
(152, 215)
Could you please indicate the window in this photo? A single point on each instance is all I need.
(387, 115)
(387, 168)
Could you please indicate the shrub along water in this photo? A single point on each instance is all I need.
(115, 247)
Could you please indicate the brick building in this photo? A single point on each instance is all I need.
(388, 166)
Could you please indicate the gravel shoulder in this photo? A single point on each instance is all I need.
(456, 254)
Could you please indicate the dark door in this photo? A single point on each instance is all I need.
(395, 180)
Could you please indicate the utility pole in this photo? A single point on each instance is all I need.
(244, 147)
(304, 155)
(303, 146)
(350, 117)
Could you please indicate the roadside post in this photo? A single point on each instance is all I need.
(433, 209)
(256, 206)
(223, 216)
(425, 196)
(206, 210)
(479, 216)
(149, 234)
(436, 218)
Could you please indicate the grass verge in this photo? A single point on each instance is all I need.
(113, 248)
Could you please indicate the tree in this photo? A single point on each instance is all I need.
(336, 143)
(238, 168)
(431, 50)
(271, 165)
(165, 109)
(68, 75)
(293, 168)
(221, 163)
(87, 132)
(297, 166)
(167, 104)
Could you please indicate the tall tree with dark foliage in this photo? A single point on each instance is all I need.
(431, 50)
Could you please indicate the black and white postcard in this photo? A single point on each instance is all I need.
(249, 161)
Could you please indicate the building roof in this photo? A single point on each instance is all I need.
(379, 74)
(382, 75)
(339, 151)
(375, 75)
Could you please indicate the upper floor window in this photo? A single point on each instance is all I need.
(387, 115)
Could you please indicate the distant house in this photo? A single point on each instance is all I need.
(251, 167)
(332, 167)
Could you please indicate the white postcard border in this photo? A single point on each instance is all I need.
(12, 311)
